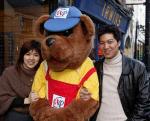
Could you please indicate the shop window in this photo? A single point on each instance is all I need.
(26, 25)
(9, 48)
(128, 43)
(1, 52)
(140, 50)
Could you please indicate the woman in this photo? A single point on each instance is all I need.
(16, 82)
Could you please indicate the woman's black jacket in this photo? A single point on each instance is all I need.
(133, 89)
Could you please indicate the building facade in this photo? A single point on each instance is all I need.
(105, 12)
(17, 18)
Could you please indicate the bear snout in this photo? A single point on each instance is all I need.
(50, 41)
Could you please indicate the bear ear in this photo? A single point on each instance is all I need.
(38, 26)
(88, 27)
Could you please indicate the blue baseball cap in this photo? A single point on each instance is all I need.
(63, 19)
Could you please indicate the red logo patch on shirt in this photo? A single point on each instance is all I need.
(58, 101)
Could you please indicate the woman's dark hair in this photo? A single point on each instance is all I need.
(110, 29)
(26, 47)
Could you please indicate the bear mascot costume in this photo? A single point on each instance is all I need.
(66, 37)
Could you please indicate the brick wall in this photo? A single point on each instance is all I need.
(1, 52)
(16, 26)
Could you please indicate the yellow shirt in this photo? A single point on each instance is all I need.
(71, 76)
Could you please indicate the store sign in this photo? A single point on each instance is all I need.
(105, 12)
(110, 14)
(135, 1)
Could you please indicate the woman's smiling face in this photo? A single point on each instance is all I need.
(31, 59)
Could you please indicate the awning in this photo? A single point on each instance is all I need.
(25, 3)
(107, 11)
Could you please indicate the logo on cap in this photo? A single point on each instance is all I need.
(61, 13)
(63, 19)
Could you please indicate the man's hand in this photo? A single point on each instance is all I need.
(84, 94)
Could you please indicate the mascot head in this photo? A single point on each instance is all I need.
(66, 36)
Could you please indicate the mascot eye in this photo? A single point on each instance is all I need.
(64, 33)
(67, 32)
(47, 33)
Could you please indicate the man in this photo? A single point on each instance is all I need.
(124, 89)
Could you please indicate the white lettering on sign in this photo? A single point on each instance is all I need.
(135, 1)
(110, 14)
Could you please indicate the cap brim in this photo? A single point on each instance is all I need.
(59, 24)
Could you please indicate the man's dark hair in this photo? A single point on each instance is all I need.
(110, 29)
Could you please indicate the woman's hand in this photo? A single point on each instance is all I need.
(84, 94)
(33, 96)
(26, 100)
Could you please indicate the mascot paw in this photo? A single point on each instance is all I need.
(78, 110)
(83, 108)
(36, 107)
(53, 114)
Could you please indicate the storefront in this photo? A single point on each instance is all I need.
(105, 12)
(19, 16)
(16, 25)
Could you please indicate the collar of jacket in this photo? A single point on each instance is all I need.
(126, 64)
